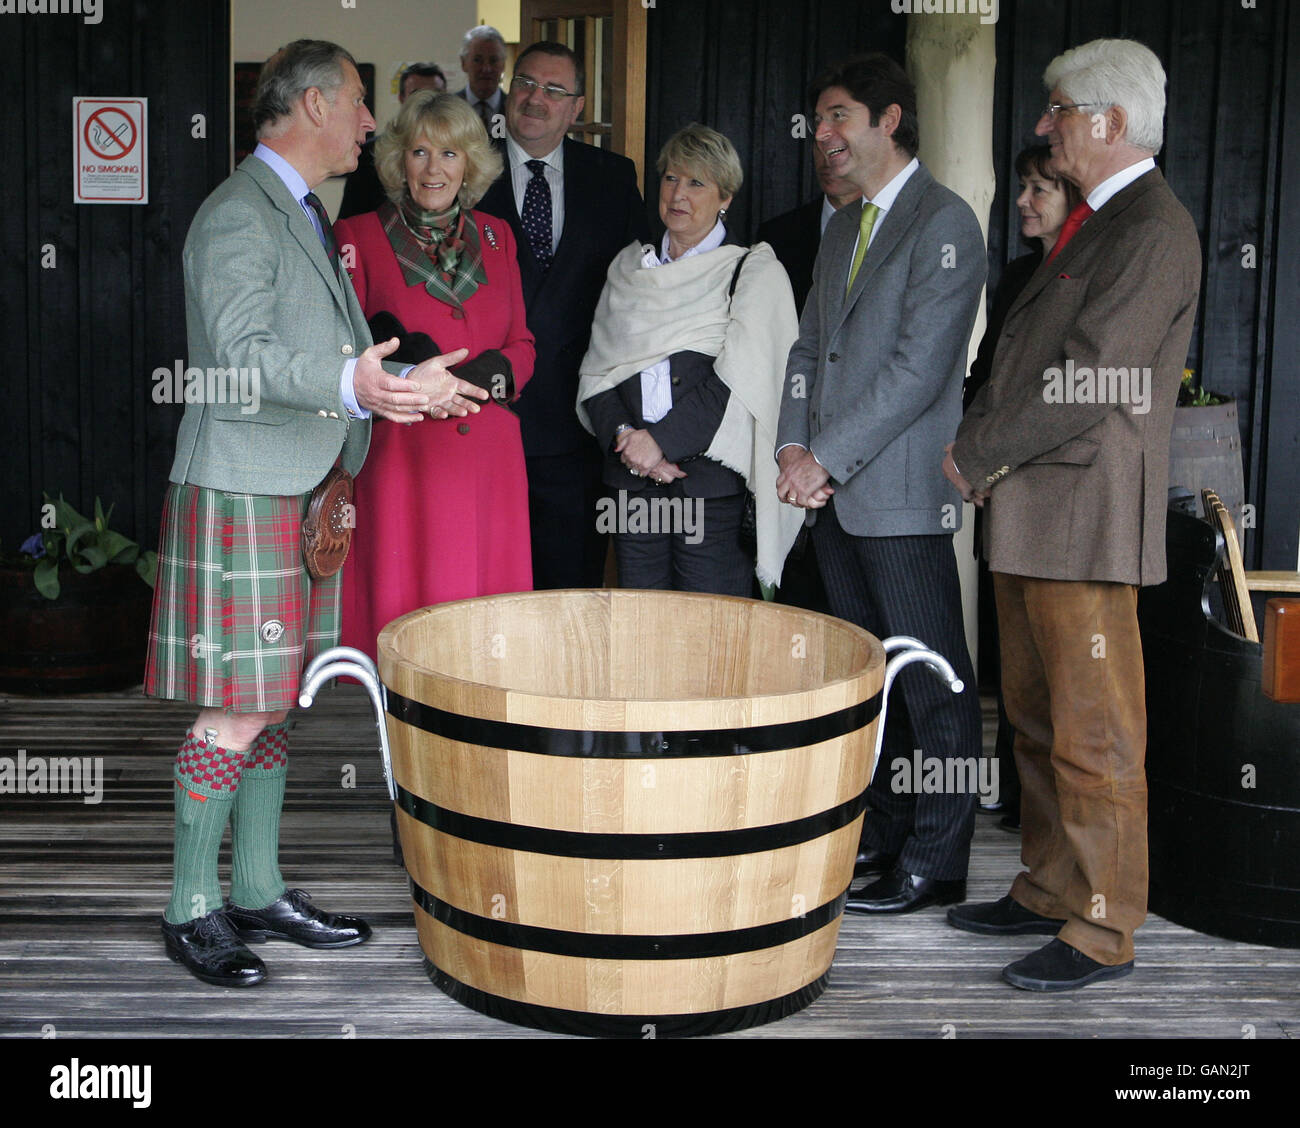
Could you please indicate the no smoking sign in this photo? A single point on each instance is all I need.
(109, 146)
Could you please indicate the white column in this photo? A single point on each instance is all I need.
(951, 59)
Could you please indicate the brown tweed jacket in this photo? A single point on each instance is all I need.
(1078, 481)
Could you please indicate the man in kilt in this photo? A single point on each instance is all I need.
(236, 614)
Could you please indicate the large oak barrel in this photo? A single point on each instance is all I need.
(629, 812)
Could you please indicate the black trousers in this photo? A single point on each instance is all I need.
(707, 558)
(563, 491)
(908, 586)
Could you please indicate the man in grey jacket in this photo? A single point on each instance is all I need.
(872, 393)
(236, 614)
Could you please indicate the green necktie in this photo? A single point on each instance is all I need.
(865, 224)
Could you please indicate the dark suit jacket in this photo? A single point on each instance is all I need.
(1078, 489)
(362, 191)
(795, 237)
(603, 213)
(699, 403)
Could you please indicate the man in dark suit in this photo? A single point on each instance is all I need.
(483, 59)
(362, 191)
(873, 390)
(1067, 446)
(796, 235)
(573, 207)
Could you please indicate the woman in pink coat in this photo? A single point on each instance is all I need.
(442, 505)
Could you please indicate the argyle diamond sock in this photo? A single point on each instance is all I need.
(255, 879)
(206, 780)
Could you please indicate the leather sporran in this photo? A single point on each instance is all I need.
(327, 528)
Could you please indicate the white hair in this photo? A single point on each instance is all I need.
(1115, 72)
(483, 31)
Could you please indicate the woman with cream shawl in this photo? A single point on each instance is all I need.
(681, 386)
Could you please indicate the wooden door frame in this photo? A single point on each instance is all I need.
(628, 118)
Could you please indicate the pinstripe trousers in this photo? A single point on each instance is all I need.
(908, 585)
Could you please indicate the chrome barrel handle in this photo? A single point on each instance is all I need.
(343, 661)
(907, 650)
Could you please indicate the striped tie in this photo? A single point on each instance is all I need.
(326, 228)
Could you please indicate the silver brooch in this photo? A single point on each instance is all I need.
(272, 630)
(490, 235)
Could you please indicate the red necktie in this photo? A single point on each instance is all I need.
(1073, 222)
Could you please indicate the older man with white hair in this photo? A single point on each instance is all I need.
(1075, 486)
(483, 59)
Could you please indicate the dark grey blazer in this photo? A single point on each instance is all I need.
(699, 403)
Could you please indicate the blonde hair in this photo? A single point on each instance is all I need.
(696, 148)
(448, 122)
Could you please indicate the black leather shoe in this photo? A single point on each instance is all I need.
(212, 952)
(903, 892)
(872, 861)
(294, 917)
(1002, 918)
(1010, 822)
(1058, 967)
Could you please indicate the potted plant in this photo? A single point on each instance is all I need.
(74, 605)
(1205, 446)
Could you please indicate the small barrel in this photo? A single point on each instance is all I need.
(1205, 452)
(630, 812)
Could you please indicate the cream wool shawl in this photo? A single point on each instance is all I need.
(647, 314)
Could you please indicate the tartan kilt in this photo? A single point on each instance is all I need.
(236, 617)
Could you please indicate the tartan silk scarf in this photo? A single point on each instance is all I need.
(442, 251)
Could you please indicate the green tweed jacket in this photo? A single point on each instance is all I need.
(262, 298)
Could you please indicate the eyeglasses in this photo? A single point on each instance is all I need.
(1053, 109)
(528, 85)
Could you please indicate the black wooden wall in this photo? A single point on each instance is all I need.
(84, 337)
(744, 69)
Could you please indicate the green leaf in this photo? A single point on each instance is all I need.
(147, 567)
(100, 522)
(118, 548)
(93, 558)
(46, 578)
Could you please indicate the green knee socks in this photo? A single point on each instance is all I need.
(255, 879)
(206, 778)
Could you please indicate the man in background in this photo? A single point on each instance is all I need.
(796, 235)
(362, 192)
(483, 59)
(572, 207)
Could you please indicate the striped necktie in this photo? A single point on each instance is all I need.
(326, 228)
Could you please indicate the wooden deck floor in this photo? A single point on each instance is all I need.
(82, 888)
